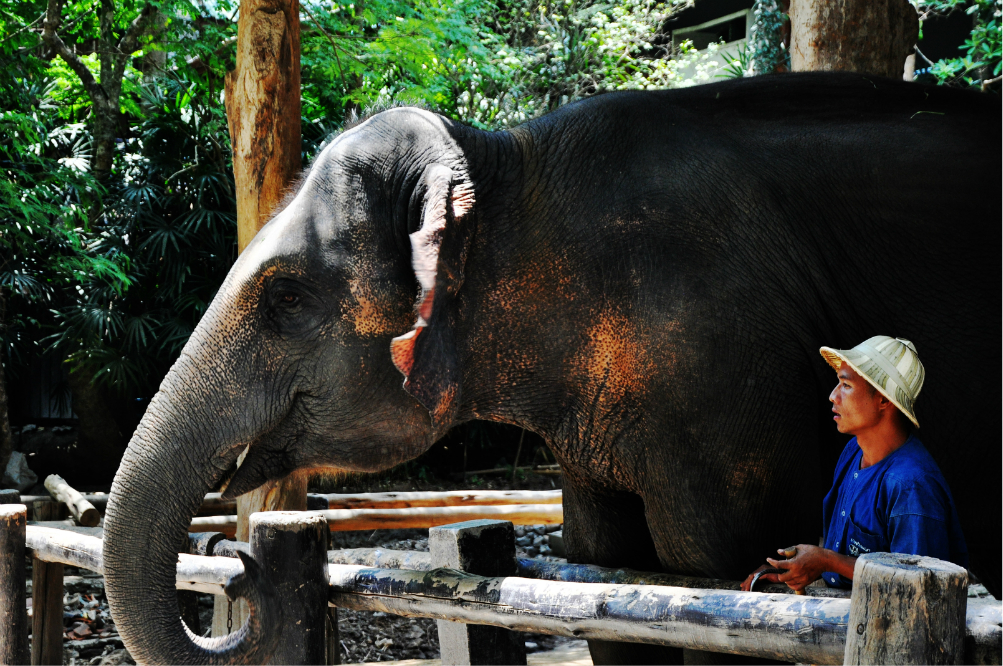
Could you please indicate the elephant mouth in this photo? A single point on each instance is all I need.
(255, 465)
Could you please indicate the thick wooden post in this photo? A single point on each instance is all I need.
(46, 598)
(292, 548)
(485, 548)
(866, 36)
(263, 110)
(906, 609)
(13, 606)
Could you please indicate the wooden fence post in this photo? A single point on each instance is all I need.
(46, 597)
(292, 548)
(484, 548)
(906, 609)
(13, 606)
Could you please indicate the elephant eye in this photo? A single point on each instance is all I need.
(289, 299)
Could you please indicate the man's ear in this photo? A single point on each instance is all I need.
(427, 354)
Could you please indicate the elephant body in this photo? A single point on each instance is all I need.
(642, 278)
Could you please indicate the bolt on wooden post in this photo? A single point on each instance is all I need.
(906, 609)
(484, 548)
(291, 546)
(13, 604)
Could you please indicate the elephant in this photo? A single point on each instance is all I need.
(643, 278)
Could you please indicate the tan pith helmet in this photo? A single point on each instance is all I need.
(891, 365)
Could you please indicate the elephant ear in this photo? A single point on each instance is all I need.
(427, 354)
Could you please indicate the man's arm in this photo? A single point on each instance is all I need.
(806, 567)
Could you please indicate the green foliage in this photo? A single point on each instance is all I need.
(45, 191)
(980, 63)
(767, 52)
(171, 212)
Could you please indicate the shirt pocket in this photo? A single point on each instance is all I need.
(860, 541)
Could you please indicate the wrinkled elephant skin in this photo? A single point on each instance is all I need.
(642, 278)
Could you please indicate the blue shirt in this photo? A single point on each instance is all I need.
(899, 505)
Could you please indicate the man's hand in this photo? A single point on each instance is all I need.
(747, 583)
(804, 568)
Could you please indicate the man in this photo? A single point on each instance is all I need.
(888, 495)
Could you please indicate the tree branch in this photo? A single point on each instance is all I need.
(130, 40)
(53, 17)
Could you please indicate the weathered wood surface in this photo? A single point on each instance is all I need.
(47, 590)
(68, 525)
(907, 609)
(344, 520)
(445, 498)
(866, 36)
(291, 547)
(983, 632)
(10, 496)
(786, 627)
(485, 548)
(13, 602)
(385, 558)
(82, 510)
(347, 520)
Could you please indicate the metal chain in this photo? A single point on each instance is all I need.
(229, 616)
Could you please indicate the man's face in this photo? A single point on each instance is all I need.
(856, 405)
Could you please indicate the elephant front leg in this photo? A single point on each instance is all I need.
(608, 528)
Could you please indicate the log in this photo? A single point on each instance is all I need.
(485, 548)
(47, 593)
(82, 510)
(10, 497)
(445, 498)
(347, 520)
(907, 609)
(68, 525)
(291, 547)
(204, 543)
(344, 520)
(333, 637)
(13, 603)
(786, 627)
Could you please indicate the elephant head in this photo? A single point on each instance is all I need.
(293, 367)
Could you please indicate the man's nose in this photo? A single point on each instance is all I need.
(832, 396)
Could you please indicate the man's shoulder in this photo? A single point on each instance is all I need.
(914, 482)
(911, 462)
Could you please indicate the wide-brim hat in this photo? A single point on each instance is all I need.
(891, 365)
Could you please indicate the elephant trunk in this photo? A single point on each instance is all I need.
(179, 452)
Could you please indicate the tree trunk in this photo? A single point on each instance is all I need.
(866, 36)
(263, 113)
(263, 110)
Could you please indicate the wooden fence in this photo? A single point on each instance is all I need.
(903, 609)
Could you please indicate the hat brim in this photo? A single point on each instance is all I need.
(836, 358)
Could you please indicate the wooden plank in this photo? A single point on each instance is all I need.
(385, 558)
(485, 548)
(82, 510)
(786, 627)
(347, 520)
(13, 603)
(446, 498)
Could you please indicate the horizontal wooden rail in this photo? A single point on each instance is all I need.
(347, 520)
(215, 505)
(445, 498)
(773, 626)
(201, 574)
(385, 558)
